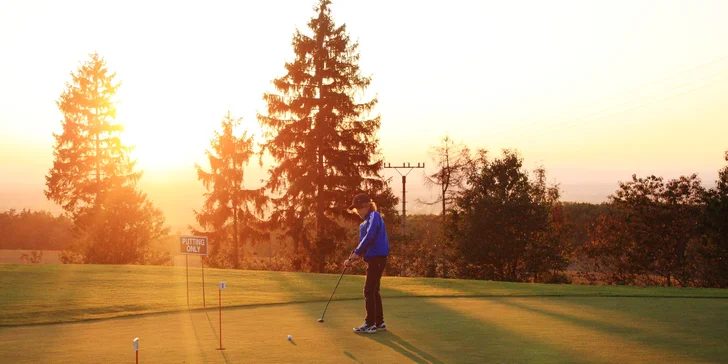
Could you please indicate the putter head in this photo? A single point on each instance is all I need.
(321, 320)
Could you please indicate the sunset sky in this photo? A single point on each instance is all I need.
(593, 90)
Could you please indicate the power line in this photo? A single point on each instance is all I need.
(585, 118)
(572, 121)
(672, 75)
(640, 105)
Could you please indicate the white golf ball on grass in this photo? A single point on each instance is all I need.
(290, 337)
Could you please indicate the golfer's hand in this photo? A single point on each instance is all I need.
(346, 263)
(354, 256)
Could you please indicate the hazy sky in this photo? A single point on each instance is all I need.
(593, 90)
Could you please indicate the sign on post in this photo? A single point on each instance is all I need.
(221, 285)
(193, 245)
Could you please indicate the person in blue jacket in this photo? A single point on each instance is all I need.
(374, 248)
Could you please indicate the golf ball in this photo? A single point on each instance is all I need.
(290, 337)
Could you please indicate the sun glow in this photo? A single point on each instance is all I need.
(491, 74)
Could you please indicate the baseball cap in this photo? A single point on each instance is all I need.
(359, 200)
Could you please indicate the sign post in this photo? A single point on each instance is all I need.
(136, 349)
(220, 287)
(194, 245)
(187, 277)
(202, 263)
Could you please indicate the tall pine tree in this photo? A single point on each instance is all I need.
(93, 178)
(323, 140)
(231, 213)
(89, 156)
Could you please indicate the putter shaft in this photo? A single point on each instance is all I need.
(332, 295)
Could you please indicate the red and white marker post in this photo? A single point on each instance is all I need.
(136, 349)
(220, 287)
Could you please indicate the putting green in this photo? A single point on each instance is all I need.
(422, 330)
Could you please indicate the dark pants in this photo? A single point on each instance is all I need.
(372, 298)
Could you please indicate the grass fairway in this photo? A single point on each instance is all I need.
(470, 321)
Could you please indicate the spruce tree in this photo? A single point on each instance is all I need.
(93, 177)
(89, 156)
(323, 139)
(231, 213)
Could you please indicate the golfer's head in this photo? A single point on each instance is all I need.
(362, 204)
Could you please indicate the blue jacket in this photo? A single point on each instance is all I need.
(373, 240)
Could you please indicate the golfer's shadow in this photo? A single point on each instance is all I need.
(401, 346)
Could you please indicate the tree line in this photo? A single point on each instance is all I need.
(34, 230)
(663, 232)
(502, 222)
(651, 232)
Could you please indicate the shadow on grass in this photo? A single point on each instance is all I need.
(672, 338)
(449, 334)
(460, 337)
(215, 332)
(668, 341)
(194, 328)
(401, 346)
(352, 357)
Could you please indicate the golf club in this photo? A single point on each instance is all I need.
(332, 295)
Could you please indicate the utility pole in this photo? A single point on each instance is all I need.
(405, 166)
(404, 188)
